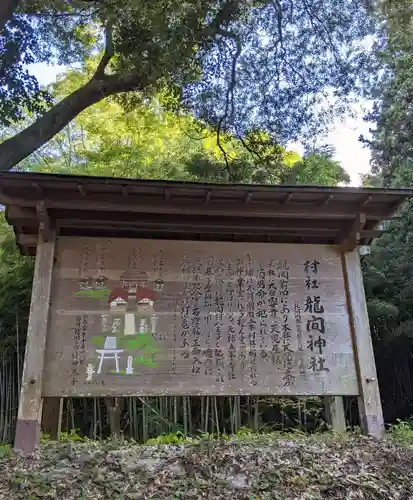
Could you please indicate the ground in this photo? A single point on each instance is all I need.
(260, 467)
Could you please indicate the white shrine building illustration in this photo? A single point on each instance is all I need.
(134, 295)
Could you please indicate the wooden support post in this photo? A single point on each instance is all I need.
(30, 404)
(115, 407)
(335, 416)
(52, 417)
(371, 413)
(350, 237)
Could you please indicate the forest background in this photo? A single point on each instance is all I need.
(210, 91)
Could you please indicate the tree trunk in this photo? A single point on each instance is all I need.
(17, 148)
(7, 8)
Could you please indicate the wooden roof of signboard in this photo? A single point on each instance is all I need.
(112, 207)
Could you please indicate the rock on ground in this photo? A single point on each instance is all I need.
(261, 468)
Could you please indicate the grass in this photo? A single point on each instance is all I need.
(138, 342)
(402, 432)
(101, 293)
(5, 451)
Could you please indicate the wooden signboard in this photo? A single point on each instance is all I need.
(275, 305)
(153, 317)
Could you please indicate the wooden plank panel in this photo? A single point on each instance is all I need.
(370, 409)
(220, 318)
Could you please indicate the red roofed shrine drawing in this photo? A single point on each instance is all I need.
(134, 294)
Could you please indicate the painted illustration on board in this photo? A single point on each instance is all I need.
(134, 293)
(93, 288)
(128, 339)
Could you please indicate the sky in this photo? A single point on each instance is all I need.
(350, 152)
(352, 155)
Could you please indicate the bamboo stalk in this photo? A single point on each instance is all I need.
(175, 411)
(256, 413)
(100, 419)
(282, 414)
(6, 390)
(189, 409)
(216, 416)
(222, 405)
(72, 415)
(231, 415)
(18, 351)
(161, 412)
(9, 393)
(237, 413)
(206, 414)
(305, 414)
(2, 398)
(144, 420)
(147, 406)
(131, 429)
(185, 415)
(94, 433)
(202, 403)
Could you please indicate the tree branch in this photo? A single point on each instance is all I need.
(229, 100)
(109, 50)
(7, 8)
(328, 40)
(17, 148)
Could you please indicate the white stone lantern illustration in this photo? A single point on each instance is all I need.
(129, 366)
(109, 351)
(143, 325)
(90, 370)
(154, 322)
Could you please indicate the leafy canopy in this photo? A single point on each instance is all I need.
(150, 141)
(238, 65)
(392, 92)
(388, 271)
